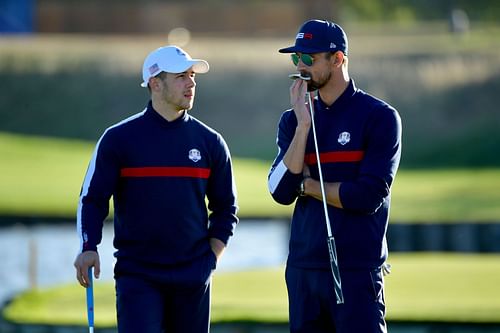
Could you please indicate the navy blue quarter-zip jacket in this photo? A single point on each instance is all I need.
(159, 174)
(359, 139)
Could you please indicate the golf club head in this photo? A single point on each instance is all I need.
(296, 76)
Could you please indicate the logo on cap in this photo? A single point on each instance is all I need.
(304, 35)
(153, 69)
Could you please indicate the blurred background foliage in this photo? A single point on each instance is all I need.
(78, 70)
(361, 10)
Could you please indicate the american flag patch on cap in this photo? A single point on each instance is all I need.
(153, 69)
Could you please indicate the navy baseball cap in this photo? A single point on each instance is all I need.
(317, 36)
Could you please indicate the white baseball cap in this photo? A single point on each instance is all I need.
(170, 59)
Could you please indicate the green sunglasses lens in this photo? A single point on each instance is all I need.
(306, 59)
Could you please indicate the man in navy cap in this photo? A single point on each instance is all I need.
(359, 144)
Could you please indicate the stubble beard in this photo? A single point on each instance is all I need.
(180, 103)
(320, 83)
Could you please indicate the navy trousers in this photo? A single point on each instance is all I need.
(313, 307)
(164, 301)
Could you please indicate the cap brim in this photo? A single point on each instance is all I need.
(290, 49)
(300, 49)
(200, 66)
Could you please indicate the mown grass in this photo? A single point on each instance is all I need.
(422, 287)
(42, 177)
(446, 195)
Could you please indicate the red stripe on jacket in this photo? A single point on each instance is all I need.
(165, 172)
(335, 157)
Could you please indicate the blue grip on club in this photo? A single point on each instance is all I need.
(90, 302)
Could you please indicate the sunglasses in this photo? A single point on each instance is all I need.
(306, 59)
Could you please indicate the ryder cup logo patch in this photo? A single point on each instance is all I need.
(194, 155)
(344, 138)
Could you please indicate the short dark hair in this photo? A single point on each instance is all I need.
(160, 76)
(329, 55)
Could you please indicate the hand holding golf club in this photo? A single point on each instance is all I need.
(83, 262)
(299, 98)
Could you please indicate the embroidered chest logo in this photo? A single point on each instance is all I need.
(344, 138)
(194, 155)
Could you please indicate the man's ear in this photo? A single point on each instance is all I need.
(338, 58)
(153, 83)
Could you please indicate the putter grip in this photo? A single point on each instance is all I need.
(90, 302)
(335, 270)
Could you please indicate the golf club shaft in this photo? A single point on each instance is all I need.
(331, 241)
(90, 302)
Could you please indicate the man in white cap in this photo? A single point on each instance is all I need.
(159, 166)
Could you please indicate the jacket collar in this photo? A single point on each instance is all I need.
(342, 100)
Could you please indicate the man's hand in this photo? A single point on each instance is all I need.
(294, 157)
(298, 101)
(82, 263)
(218, 247)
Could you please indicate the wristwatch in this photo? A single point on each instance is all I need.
(302, 188)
